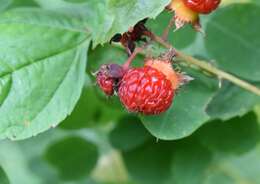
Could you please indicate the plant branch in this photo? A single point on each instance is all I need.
(208, 67)
(168, 28)
(133, 55)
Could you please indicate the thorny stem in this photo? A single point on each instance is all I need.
(208, 67)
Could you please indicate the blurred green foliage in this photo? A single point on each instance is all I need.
(212, 133)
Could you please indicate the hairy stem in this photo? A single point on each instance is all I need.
(130, 59)
(208, 67)
(133, 55)
(168, 28)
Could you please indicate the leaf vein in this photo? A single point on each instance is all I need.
(43, 58)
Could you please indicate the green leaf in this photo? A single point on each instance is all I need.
(237, 135)
(4, 4)
(13, 160)
(23, 3)
(128, 134)
(226, 152)
(28, 156)
(187, 112)
(257, 111)
(104, 55)
(3, 177)
(75, 1)
(42, 70)
(152, 165)
(231, 101)
(233, 40)
(190, 162)
(73, 157)
(85, 111)
(220, 152)
(117, 183)
(108, 17)
(93, 109)
(222, 169)
(180, 39)
(127, 13)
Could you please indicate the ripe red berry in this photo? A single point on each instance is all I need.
(202, 6)
(146, 90)
(108, 77)
(187, 11)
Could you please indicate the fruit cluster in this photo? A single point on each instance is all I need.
(150, 89)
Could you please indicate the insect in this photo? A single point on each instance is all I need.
(134, 34)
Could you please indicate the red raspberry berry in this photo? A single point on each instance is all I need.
(187, 11)
(202, 6)
(108, 77)
(146, 90)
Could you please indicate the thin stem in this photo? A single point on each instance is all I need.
(209, 68)
(131, 58)
(168, 28)
(133, 55)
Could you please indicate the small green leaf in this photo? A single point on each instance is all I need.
(42, 70)
(73, 157)
(233, 40)
(128, 134)
(187, 112)
(3, 177)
